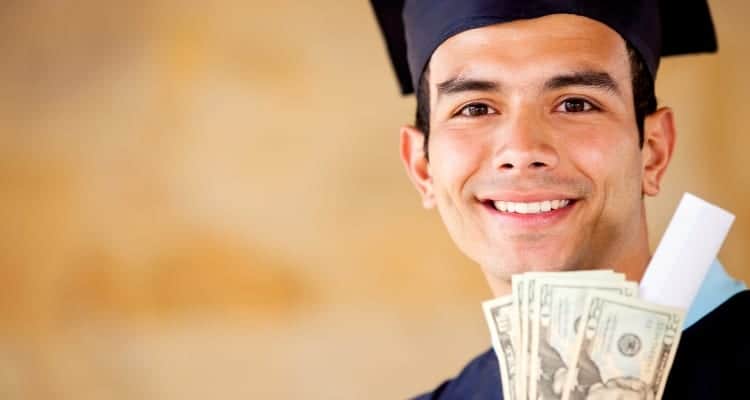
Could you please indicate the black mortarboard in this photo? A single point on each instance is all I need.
(413, 29)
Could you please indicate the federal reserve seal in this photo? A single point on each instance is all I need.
(629, 344)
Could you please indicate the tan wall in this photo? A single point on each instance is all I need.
(203, 200)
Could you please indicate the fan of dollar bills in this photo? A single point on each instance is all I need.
(581, 335)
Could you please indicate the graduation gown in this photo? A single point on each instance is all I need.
(712, 362)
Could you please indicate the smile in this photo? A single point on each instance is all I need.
(536, 207)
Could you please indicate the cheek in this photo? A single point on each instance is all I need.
(454, 158)
(606, 157)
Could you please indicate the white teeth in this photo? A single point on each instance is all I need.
(532, 207)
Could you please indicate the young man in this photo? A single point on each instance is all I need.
(537, 137)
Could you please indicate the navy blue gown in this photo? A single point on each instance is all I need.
(712, 362)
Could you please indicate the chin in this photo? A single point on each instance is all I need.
(503, 266)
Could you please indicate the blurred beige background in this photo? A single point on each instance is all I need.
(204, 200)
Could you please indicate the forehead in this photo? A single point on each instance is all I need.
(547, 44)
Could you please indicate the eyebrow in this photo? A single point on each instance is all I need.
(590, 78)
(595, 79)
(461, 84)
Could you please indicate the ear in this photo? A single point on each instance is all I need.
(658, 143)
(415, 161)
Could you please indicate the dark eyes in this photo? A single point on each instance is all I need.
(575, 105)
(570, 105)
(475, 110)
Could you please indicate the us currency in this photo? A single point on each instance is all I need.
(500, 319)
(557, 309)
(518, 284)
(523, 297)
(626, 348)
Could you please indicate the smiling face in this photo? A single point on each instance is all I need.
(534, 160)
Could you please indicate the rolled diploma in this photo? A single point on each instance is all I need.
(686, 251)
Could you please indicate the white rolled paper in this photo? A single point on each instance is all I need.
(686, 251)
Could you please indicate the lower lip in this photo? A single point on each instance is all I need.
(530, 220)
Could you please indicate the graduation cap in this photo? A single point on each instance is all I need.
(413, 29)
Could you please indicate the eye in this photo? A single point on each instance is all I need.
(576, 105)
(475, 110)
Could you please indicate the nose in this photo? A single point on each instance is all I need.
(525, 145)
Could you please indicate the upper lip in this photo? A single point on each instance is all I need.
(528, 197)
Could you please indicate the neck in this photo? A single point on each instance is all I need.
(499, 287)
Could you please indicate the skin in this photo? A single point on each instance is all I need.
(534, 110)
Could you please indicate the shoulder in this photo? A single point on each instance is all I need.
(713, 357)
(479, 380)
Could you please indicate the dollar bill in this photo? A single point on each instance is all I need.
(500, 319)
(554, 321)
(523, 296)
(518, 284)
(625, 349)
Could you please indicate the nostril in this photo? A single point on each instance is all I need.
(507, 166)
(538, 164)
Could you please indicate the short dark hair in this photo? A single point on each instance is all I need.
(644, 98)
